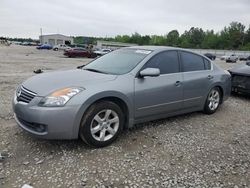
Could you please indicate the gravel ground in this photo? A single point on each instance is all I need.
(193, 150)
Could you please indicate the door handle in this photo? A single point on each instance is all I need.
(177, 83)
(210, 77)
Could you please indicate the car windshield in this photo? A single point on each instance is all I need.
(118, 62)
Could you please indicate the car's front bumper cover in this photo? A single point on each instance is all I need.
(46, 122)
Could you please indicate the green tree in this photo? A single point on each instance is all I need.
(233, 36)
(210, 40)
(173, 38)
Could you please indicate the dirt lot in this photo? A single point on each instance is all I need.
(193, 150)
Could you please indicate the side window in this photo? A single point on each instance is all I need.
(191, 62)
(167, 62)
(207, 64)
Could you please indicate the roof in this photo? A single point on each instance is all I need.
(154, 48)
(115, 43)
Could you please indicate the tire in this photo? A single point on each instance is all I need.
(56, 49)
(101, 124)
(213, 101)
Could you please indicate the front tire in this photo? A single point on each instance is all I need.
(101, 124)
(213, 101)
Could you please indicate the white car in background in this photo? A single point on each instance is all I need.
(232, 58)
(102, 52)
(224, 57)
(61, 47)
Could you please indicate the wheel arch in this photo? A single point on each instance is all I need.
(120, 102)
(116, 97)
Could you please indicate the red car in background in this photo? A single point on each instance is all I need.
(79, 52)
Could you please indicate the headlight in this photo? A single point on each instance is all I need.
(18, 91)
(60, 97)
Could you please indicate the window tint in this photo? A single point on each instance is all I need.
(207, 64)
(191, 62)
(167, 62)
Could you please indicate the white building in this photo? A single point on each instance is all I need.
(55, 39)
(112, 45)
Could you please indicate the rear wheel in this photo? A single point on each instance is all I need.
(102, 124)
(213, 101)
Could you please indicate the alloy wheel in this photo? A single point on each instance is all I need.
(105, 125)
(214, 99)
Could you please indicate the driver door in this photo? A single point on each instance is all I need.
(162, 94)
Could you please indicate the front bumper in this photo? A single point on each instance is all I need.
(46, 122)
(240, 90)
(240, 83)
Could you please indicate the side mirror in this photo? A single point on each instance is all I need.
(152, 72)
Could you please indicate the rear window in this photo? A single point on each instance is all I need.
(192, 62)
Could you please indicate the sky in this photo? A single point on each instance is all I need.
(108, 18)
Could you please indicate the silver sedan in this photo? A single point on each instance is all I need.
(120, 89)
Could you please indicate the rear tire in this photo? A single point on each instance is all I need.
(101, 124)
(213, 101)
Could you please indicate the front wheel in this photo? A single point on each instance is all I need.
(213, 101)
(102, 124)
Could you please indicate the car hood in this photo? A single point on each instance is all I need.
(243, 70)
(46, 83)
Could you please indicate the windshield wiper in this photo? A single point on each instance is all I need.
(94, 70)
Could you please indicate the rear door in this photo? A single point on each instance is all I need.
(197, 78)
(162, 94)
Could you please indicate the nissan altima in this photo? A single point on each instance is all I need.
(122, 88)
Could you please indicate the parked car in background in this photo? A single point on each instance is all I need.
(210, 56)
(224, 57)
(241, 78)
(79, 52)
(44, 46)
(115, 91)
(232, 58)
(243, 57)
(78, 45)
(102, 52)
(61, 47)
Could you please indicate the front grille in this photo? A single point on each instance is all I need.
(25, 95)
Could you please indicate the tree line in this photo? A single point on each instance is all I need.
(233, 37)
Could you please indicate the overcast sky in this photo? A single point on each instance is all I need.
(24, 18)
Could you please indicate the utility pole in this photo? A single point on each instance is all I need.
(41, 32)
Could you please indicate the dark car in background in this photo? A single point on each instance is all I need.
(243, 57)
(79, 52)
(210, 56)
(241, 78)
(44, 46)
